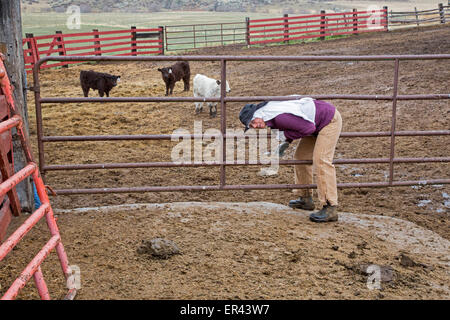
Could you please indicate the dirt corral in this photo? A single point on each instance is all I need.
(274, 255)
(241, 251)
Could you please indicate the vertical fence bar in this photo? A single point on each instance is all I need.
(161, 39)
(223, 118)
(97, 49)
(385, 15)
(133, 41)
(393, 121)
(441, 12)
(285, 26)
(322, 24)
(355, 21)
(221, 33)
(30, 45)
(33, 47)
(193, 31)
(417, 16)
(62, 46)
(167, 42)
(247, 31)
(41, 285)
(37, 101)
(51, 223)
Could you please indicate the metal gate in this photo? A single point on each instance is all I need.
(7, 186)
(193, 36)
(393, 133)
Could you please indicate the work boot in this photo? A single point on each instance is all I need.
(327, 214)
(305, 203)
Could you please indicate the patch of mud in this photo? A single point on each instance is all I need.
(251, 79)
(256, 250)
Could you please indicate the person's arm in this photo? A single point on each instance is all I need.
(294, 127)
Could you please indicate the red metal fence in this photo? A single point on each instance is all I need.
(321, 25)
(391, 160)
(10, 205)
(132, 42)
(8, 184)
(251, 32)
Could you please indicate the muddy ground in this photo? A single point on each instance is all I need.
(110, 239)
(426, 205)
(240, 251)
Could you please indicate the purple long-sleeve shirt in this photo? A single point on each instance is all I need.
(295, 127)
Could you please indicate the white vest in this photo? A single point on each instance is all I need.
(304, 108)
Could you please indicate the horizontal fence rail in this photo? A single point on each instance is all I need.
(422, 17)
(393, 133)
(289, 28)
(133, 41)
(286, 29)
(184, 37)
(8, 182)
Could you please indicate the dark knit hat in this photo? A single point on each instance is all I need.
(247, 113)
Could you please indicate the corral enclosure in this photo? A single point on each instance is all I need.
(107, 241)
(41, 23)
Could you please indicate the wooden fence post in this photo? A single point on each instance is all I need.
(355, 21)
(385, 15)
(12, 46)
(97, 50)
(441, 12)
(286, 25)
(247, 32)
(165, 37)
(31, 44)
(133, 43)
(62, 46)
(161, 38)
(193, 31)
(417, 16)
(322, 24)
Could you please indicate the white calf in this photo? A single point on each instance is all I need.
(207, 88)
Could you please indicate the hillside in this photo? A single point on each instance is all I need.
(267, 6)
(162, 5)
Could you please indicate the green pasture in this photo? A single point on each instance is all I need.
(48, 23)
(207, 34)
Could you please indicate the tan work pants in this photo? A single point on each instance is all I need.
(320, 150)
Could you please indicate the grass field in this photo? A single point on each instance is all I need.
(181, 38)
(206, 35)
(48, 23)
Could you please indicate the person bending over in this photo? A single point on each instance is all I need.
(318, 125)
